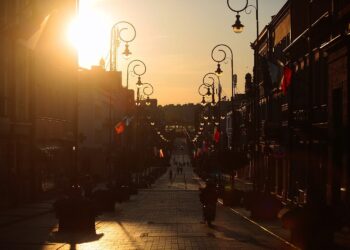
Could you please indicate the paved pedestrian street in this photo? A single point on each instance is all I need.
(167, 216)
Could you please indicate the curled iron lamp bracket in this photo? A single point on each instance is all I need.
(118, 33)
(202, 90)
(238, 26)
(137, 63)
(248, 11)
(147, 89)
(123, 26)
(239, 10)
(222, 51)
(210, 76)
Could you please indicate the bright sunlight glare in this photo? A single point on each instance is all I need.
(90, 34)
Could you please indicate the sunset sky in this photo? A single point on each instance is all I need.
(174, 39)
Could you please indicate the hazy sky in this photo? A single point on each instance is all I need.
(175, 39)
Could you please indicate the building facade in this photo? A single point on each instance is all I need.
(103, 103)
(37, 79)
(299, 151)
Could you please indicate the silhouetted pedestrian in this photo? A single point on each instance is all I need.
(170, 175)
(208, 197)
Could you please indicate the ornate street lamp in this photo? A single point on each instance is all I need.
(203, 91)
(135, 64)
(143, 90)
(209, 81)
(238, 26)
(146, 90)
(207, 88)
(117, 35)
(221, 49)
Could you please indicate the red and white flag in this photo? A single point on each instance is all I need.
(120, 127)
(286, 79)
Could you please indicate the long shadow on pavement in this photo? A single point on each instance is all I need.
(224, 232)
(72, 239)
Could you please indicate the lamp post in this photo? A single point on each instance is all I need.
(203, 90)
(75, 147)
(134, 64)
(131, 68)
(143, 90)
(222, 48)
(116, 37)
(209, 81)
(238, 28)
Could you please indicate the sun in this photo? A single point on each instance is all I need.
(90, 34)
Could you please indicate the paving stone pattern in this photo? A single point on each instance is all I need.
(167, 216)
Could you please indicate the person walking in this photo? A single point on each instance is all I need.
(208, 198)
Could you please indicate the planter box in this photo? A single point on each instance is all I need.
(233, 198)
(310, 227)
(262, 206)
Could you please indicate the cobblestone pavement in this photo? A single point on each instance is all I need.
(168, 216)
